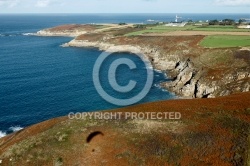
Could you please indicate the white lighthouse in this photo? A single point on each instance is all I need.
(176, 18)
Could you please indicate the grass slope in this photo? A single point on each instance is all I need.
(211, 132)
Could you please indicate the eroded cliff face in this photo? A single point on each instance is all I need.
(191, 79)
(194, 82)
(192, 76)
(188, 80)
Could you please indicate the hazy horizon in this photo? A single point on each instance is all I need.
(123, 13)
(123, 7)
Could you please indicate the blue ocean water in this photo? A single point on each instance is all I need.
(40, 80)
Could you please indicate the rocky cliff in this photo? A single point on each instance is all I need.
(188, 79)
(196, 72)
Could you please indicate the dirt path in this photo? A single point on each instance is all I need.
(113, 26)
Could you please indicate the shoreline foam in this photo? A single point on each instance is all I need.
(2, 134)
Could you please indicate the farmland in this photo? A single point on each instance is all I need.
(219, 41)
(209, 28)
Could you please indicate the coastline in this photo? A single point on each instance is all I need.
(206, 123)
(134, 50)
(189, 74)
(163, 66)
(138, 51)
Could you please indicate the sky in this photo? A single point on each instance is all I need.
(124, 6)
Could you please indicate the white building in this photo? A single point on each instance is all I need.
(176, 23)
(244, 26)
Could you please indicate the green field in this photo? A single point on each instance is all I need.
(217, 28)
(220, 41)
(212, 28)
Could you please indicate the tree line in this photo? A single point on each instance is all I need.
(226, 22)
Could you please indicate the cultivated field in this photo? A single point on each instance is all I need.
(216, 36)
(225, 41)
(209, 28)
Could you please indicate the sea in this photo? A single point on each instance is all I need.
(40, 79)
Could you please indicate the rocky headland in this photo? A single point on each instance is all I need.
(196, 72)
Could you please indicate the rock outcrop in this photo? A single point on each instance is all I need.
(60, 33)
(189, 80)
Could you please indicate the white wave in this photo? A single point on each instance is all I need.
(158, 71)
(28, 34)
(16, 128)
(64, 45)
(157, 86)
(160, 87)
(2, 134)
(164, 90)
(149, 67)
